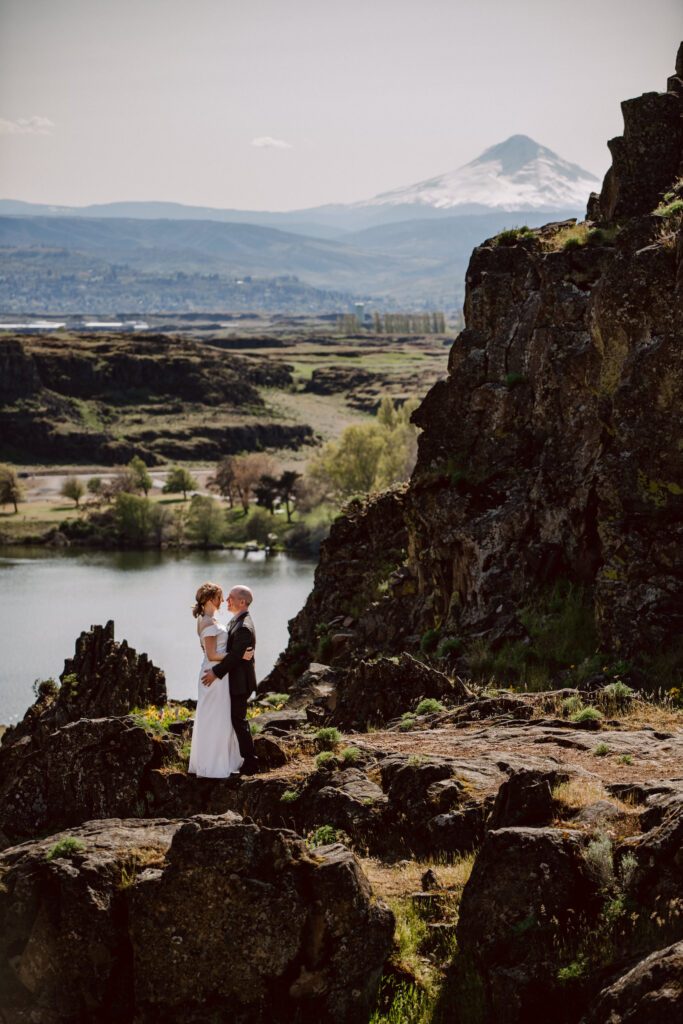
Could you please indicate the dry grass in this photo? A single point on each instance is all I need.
(579, 792)
(661, 716)
(396, 881)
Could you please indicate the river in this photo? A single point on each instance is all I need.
(47, 598)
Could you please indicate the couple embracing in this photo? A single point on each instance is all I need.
(221, 738)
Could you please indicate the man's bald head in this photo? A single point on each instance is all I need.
(242, 594)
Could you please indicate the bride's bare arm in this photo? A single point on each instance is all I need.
(210, 648)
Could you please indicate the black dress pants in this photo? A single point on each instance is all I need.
(238, 715)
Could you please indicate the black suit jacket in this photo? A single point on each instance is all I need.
(241, 674)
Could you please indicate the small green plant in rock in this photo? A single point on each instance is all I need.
(45, 688)
(65, 848)
(255, 727)
(428, 706)
(414, 760)
(328, 738)
(407, 722)
(573, 971)
(512, 380)
(289, 796)
(325, 759)
(669, 209)
(587, 714)
(625, 759)
(276, 698)
(601, 750)
(350, 755)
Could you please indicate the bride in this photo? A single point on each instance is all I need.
(215, 752)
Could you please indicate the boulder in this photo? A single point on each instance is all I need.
(525, 799)
(650, 993)
(520, 876)
(203, 919)
(377, 691)
(90, 768)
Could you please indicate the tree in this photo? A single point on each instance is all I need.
(138, 468)
(370, 456)
(11, 491)
(132, 517)
(266, 492)
(287, 488)
(72, 488)
(206, 521)
(248, 471)
(223, 479)
(122, 482)
(179, 479)
(94, 485)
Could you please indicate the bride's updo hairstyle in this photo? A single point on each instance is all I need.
(207, 592)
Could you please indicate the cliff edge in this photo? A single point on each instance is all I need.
(549, 454)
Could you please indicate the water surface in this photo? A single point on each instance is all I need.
(47, 598)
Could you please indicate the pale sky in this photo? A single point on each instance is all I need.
(282, 104)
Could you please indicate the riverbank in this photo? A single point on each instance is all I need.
(53, 522)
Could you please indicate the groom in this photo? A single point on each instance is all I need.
(241, 673)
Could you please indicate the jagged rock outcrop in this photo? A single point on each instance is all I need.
(75, 755)
(203, 919)
(552, 448)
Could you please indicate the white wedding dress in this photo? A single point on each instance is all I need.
(215, 752)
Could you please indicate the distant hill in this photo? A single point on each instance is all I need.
(407, 248)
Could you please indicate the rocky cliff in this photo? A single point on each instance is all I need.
(550, 453)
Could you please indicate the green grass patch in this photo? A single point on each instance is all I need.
(587, 714)
(65, 848)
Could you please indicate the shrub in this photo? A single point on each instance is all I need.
(598, 858)
(625, 759)
(289, 796)
(601, 750)
(572, 705)
(350, 755)
(324, 759)
(255, 727)
(65, 847)
(45, 688)
(429, 705)
(596, 236)
(587, 713)
(407, 723)
(429, 640)
(324, 835)
(328, 739)
(572, 243)
(618, 691)
(451, 645)
(627, 870)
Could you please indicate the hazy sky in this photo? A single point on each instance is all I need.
(279, 104)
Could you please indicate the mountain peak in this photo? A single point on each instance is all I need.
(517, 174)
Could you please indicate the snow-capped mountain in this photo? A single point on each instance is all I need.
(518, 174)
